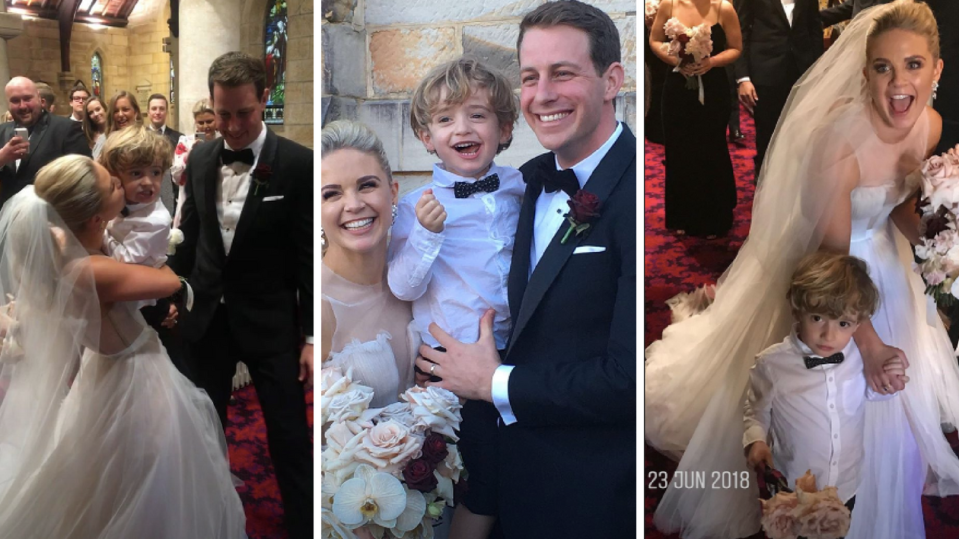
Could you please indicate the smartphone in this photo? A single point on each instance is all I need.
(200, 136)
(21, 132)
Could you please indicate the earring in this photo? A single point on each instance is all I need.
(935, 88)
(322, 239)
(394, 213)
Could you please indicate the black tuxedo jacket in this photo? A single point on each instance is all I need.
(53, 136)
(267, 279)
(568, 465)
(847, 10)
(172, 135)
(775, 53)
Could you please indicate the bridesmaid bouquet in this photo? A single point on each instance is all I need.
(938, 252)
(808, 512)
(690, 45)
(651, 8)
(390, 470)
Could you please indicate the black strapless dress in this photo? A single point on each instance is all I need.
(700, 185)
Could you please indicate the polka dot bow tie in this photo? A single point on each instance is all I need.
(815, 361)
(488, 184)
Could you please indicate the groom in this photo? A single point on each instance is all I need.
(566, 389)
(248, 253)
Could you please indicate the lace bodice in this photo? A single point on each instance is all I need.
(888, 175)
(372, 335)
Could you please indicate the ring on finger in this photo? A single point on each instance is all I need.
(432, 368)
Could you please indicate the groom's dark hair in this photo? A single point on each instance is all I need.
(604, 47)
(235, 69)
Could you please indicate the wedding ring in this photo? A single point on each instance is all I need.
(432, 368)
(886, 388)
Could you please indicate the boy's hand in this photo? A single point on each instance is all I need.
(759, 455)
(430, 213)
(895, 367)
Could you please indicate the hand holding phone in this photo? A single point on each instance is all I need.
(16, 147)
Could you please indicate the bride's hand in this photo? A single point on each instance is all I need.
(874, 359)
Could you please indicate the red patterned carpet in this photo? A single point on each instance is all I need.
(250, 461)
(676, 265)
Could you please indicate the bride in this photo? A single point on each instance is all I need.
(837, 177)
(125, 446)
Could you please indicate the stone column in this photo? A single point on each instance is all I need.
(208, 28)
(11, 26)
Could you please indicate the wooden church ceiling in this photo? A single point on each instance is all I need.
(105, 12)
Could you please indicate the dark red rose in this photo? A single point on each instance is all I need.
(583, 207)
(434, 448)
(682, 38)
(935, 225)
(262, 172)
(418, 475)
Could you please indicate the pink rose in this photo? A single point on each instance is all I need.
(388, 446)
(779, 518)
(822, 514)
(936, 168)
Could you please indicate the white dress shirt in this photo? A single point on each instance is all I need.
(454, 276)
(815, 416)
(232, 189)
(142, 237)
(788, 7)
(549, 217)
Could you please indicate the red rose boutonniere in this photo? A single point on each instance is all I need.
(583, 210)
(261, 177)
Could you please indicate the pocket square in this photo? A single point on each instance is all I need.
(589, 249)
(271, 199)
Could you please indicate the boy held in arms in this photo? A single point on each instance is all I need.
(808, 392)
(141, 233)
(452, 240)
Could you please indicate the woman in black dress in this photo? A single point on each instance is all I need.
(700, 186)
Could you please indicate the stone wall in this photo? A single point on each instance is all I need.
(132, 57)
(376, 51)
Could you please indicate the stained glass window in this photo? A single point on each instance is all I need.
(172, 83)
(275, 58)
(96, 67)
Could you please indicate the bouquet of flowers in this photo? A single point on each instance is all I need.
(938, 252)
(390, 470)
(651, 7)
(811, 513)
(690, 45)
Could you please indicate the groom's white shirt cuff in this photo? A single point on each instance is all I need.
(500, 392)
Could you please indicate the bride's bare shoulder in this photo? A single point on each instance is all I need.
(935, 130)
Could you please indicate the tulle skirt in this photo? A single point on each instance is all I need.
(140, 453)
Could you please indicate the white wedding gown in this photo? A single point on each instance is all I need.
(139, 451)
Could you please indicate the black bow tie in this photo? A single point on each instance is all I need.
(554, 180)
(125, 211)
(488, 184)
(815, 361)
(243, 156)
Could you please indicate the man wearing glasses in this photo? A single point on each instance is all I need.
(77, 97)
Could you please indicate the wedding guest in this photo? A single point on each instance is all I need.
(205, 123)
(808, 392)
(157, 111)
(566, 388)
(658, 70)
(95, 124)
(141, 233)
(253, 275)
(453, 238)
(47, 97)
(846, 11)
(777, 50)
(700, 185)
(78, 97)
(48, 137)
(124, 111)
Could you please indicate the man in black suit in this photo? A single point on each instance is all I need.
(248, 255)
(566, 388)
(781, 40)
(49, 137)
(847, 11)
(157, 107)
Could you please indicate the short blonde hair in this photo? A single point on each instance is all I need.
(915, 17)
(833, 285)
(69, 185)
(347, 134)
(135, 146)
(459, 78)
(202, 106)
